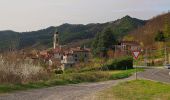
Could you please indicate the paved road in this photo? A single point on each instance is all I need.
(70, 92)
(82, 91)
(157, 74)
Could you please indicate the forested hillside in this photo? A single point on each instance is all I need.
(68, 33)
(8, 39)
(146, 34)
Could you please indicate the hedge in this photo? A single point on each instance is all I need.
(122, 63)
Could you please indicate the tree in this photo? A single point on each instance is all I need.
(167, 27)
(160, 36)
(103, 41)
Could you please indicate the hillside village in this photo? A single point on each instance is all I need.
(101, 53)
(65, 57)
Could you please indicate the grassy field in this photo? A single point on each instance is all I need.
(70, 78)
(137, 90)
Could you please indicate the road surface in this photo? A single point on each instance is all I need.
(70, 92)
(83, 91)
(156, 74)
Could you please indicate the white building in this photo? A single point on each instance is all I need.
(68, 60)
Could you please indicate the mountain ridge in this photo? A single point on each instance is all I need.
(71, 32)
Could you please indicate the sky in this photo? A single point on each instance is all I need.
(30, 15)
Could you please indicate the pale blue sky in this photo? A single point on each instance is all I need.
(28, 15)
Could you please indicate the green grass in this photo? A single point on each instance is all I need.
(15, 87)
(137, 90)
(70, 78)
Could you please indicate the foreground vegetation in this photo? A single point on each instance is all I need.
(137, 90)
(69, 78)
(14, 70)
(20, 75)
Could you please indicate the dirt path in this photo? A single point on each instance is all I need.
(84, 91)
(69, 92)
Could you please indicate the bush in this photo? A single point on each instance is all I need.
(59, 71)
(121, 63)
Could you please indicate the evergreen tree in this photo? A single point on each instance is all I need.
(103, 41)
(160, 36)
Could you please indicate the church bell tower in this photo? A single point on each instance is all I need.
(56, 39)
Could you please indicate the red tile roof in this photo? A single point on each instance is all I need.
(78, 49)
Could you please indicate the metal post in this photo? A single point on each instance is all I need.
(146, 55)
(136, 69)
(165, 56)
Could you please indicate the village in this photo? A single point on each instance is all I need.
(62, 57)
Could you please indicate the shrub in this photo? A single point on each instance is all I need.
(122, 63)
(59, 71)
(123, 74)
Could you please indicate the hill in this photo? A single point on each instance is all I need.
(8, 39)
(69, 33)
(146, 34)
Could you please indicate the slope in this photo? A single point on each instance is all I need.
(146, 34)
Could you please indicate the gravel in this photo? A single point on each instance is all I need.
(84, 91)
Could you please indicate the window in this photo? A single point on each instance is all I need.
(75, 55)
(61, 57)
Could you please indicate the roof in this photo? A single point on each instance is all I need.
(79, 49)
(130, 43)
(43, 52)
(67, 53)
(57, 50)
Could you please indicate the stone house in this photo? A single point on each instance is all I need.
(75, 56)
(80, 54)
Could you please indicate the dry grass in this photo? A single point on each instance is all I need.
(14, 70)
